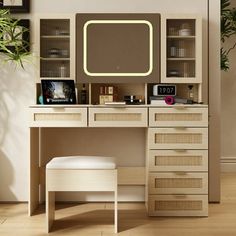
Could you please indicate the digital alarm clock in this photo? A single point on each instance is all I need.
(164, 90)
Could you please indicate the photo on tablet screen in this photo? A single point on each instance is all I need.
(58, 91)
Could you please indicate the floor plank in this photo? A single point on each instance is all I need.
(96, 219)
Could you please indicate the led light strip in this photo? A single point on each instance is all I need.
(118, 22)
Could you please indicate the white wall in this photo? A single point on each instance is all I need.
(16, 93)
(228, 109)
(17, 87)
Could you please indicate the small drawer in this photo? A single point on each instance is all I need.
(178, 205)
(178, 160)
(178, 138)
(178, 183)
(58, 117)
(178, 116)
(118, 117)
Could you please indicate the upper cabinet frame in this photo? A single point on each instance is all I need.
(181, 48)
(55, 37)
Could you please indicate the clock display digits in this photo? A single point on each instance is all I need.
(166, 90)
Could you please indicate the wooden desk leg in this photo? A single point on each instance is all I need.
(34, 171)
(50, 209)
(116, 205)
(116, 213)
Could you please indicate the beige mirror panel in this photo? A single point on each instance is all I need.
(118, 48)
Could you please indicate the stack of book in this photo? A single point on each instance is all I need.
(107, 94)
(157, 100)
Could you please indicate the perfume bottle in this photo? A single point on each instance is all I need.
(83, 95)
(173, 50)
(190, 92)
(62, 70)
(181, 49)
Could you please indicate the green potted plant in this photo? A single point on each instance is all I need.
(228, 30)
(13, 47)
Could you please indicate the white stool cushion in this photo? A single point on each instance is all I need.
(82, 162)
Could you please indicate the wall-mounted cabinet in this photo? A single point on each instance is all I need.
(56, 40)
(181, 49)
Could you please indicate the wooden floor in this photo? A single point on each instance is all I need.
(97, 219)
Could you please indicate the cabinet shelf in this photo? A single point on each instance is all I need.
(55, 59)
(55, 36)
(181, 37)
(181, 59)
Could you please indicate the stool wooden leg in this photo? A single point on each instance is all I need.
(50, 209)
(116, 212)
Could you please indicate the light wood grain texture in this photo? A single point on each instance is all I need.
(60, 180)
(126, 176)
(161, 138)
(34, 180)
(131, 175)
(83, 220)
(80, 180)
(50, 209)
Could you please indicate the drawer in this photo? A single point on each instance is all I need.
(178, 138)
(178, 183)
(178, 205)
(58, 117)
(178, 116)
(178, 160)
(118, 117)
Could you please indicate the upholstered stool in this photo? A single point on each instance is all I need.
(79, 173)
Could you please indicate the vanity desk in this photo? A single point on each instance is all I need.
(168, 144)
(175, 174)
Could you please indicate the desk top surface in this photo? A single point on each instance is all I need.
(120, 106)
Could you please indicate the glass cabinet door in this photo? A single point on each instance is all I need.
(181, 50)
(56, 37)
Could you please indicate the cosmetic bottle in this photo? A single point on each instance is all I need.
(83, 95)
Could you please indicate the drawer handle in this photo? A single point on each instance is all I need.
(179, 107)
(180, 150)
(180, 173)
(180, 128)
(180, 196)
(118, 107)
(58, 109)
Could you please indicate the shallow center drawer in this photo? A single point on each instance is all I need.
(178, 116)
(178, 138)
(58, 117)
(118, 117)
(178, 183)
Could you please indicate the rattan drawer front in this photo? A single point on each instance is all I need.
(178, 183)
(178, 160)
(118, 117)
(174, 117)
(178, 205)
(178, 138)
(58, 117)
